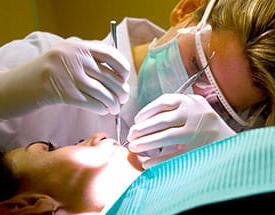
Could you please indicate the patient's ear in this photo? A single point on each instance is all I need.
(183, 8)
(29, 203)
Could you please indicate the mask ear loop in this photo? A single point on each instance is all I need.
(203, 21)
(206, 15)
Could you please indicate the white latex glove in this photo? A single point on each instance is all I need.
(91, 75)
(176, 123)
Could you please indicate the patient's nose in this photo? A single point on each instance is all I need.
(94, 140)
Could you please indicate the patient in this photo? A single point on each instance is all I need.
(81, 178)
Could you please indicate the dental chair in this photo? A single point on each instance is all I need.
(231, 175)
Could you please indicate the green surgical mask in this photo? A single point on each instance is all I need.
(161, 72)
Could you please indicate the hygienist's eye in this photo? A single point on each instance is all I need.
(195, 65)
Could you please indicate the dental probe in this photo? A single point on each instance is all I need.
(113, 32)
(117, 120)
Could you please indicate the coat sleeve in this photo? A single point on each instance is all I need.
(21, 51)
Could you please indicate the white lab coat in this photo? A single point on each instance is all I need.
(64, 124)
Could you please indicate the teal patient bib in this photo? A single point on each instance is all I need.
(239, 166)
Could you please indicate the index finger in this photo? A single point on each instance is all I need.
(108, 54)
(166, 102)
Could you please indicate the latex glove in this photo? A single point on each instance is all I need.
(91, 75)
(176, 123)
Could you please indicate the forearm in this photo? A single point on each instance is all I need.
(20, 88)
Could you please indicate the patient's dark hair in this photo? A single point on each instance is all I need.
(8, 182)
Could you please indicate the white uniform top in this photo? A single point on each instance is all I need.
(64, 124)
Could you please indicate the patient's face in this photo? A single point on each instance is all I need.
(90, 173)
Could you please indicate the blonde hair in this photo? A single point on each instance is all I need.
(254, 22)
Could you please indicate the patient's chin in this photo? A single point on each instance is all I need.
(136, 161)
(115, 178)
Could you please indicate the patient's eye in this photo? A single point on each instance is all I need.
(47, 146)
(51, 147)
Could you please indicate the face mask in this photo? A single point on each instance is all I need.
(162, 72)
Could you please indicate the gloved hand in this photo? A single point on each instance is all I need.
(174, 124)
(85, 74)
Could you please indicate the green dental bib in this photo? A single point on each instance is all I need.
(240, 166)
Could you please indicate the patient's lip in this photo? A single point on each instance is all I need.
(110, 141)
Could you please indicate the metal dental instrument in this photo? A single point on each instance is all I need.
(113, 32)
(117, 117)
(190, 81)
